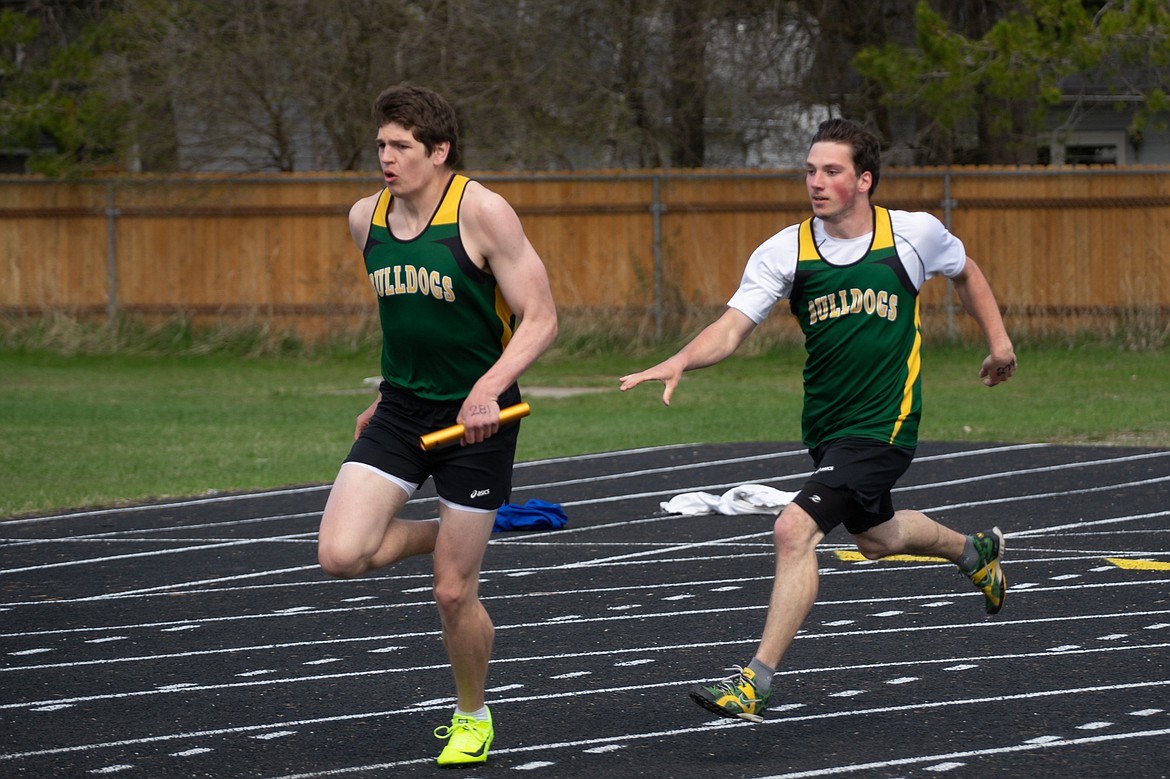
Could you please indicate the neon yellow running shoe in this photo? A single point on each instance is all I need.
(467, 741)
(733, 697)
(988, 576)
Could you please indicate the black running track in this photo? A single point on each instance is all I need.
(198, 638)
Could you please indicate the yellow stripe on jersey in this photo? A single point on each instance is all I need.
(808, 247)
(448, 212)
(381, 209)
(913, 368)
(883, 229)
(504, 312)
(883, 235)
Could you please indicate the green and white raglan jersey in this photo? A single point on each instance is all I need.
(444, 321)
(857, 304)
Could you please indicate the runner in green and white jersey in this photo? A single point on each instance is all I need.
(851, 275)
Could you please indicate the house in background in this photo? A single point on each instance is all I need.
(1091, 126)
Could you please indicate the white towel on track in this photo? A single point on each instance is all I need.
(744, 499)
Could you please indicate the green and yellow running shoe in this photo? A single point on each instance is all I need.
(733, 697)
(988, 575)
(467, 741)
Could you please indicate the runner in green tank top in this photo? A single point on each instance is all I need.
(851, 275)
(466, 308)
(861, 329)
(444, 320)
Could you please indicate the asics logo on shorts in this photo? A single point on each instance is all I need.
(480, 493)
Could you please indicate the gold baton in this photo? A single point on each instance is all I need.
(449, 435)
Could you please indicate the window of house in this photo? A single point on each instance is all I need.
(1089, 148)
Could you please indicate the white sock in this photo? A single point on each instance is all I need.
(482, 714)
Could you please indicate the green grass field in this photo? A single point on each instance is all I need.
(84, 431)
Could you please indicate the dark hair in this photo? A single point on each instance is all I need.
(429, 117)
(867, 150)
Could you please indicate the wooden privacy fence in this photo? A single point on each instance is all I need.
(1065, 249)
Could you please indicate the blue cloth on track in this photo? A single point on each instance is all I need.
(533, 515)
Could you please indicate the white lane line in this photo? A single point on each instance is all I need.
(555, 537)
(129, 533)
(596, 561)
(1084, 524)
(607, 455)
(721, 724)
(169, 588)
(916, 706)
(198, 586)
(322, 487)
(394, 637)
(609, 653)
(970, 480)
(664, 469)
(1033, 471)
(802, 474)
(152, 553)
(171, 505)
(1046, 495)
(970, 453)
(610, 499)
(188, 623)
(661, 550)
(558, 539)
(797, 475)
(308, 536)
(967, 755)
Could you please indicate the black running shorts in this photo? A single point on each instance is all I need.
(852, 482)
(478, 476)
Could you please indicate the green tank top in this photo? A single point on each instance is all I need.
(444, 321)
(862, 335)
